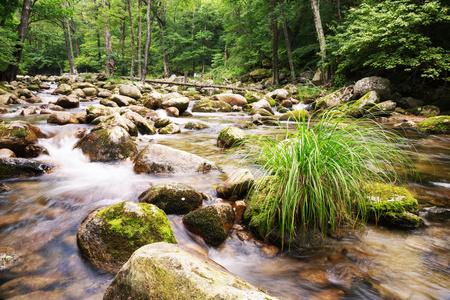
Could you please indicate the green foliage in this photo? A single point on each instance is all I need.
(393, 34)
(320, 173)
(8, 41)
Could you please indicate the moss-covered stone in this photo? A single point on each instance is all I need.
(425, 111)
(393, 206)
(230, 136)
(170, 129)
(439, 124)
(295, 115)
(362, 106)
(96, 110)
(195, 126)
(211, 106)
(108, 237)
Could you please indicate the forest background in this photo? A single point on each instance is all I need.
(403, 40)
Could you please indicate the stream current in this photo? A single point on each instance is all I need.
(40, 217)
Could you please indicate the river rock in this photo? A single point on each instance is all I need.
(55, 107)
(108, 103)
(296, 115)
(232, 99)
(63, 88)
(6, 99)
(212, 223)
(142, 124)
(363, 105)
(378, 84)
(208, 105)
(409, 102)
(96, 110)
(172, 112)
(186, 274)
(181, 103)
(425, 111)
(237, 184)
(107, 237)
(393, 206)
(8, 258)
(162, 122)
(90, 91)
(17, 136)
(117, 120)
(195, 126)
(140, 110)
(18, 167)
(264, 104)
(170, 129)
(44, 86)
(24, 92)
(252, 97)
(130, 90)
(230, 137)
(435, 125)
(122, 100)
(173, 198)
(334, 99)
(152, 100)
(159, 159)
(7, 153)
(78, 93)
(107, 144)
(265, 120)
(103, 93)
(279, 94)
(34, 100)
(62, 118)
(30, 110)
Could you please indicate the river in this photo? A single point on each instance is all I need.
(40, 217)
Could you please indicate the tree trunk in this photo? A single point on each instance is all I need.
(139, 40)
(121, 40)
(288, 46)
(320, 34)
(99, 54)
(147, 41)
(275, 76)
(192, 37)
(11, 71)
(161, 25)
(204, 45)
(77, 47)
(109, 67)
(132, 41)
(71, 60)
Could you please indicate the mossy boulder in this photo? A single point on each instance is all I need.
(108, 103)
(262, 104)
(90, 91)
(425, 111)
(96, 110)
(62, 118)
(334, 99)
(362, 106)
(439, 125)
(107, 144)
(18, 167)
(195, 126)
(173, 198)
(170, 129)
(212, 223)
(63, 89)
(181, 103)
(167, 271)
(252, 97)
(116, 120)
(259, 74)
(208, 105)
(152, 100)
(230, 137)
(122, 100)
(160, 159)
(162, 122)
(19, 137)
(130, 90)
(393, 206)
(237, 184)
(107, 237)
(296, 115)
(141, 123)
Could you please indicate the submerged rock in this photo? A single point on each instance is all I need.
(237, 184)
(173, 198)
(166, 271)
(230, 137)
(107, 144)
(62, 118)
(195, 126)
(439, 125)
(107, 237)
(393, 206)
(170, 129)
(159, 159)
(16, 167)
(212, 223)
(8, 258)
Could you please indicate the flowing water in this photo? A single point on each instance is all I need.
(40, 217)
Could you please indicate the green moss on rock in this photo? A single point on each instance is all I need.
(230, 136)
(439, 124)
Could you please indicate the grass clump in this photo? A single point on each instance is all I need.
(319, 174)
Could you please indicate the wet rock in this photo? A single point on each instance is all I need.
(90, 91)
(122, 100)
(159, 159)
(212, 223)
(30, 110)
(142, 124)
(17, 167)
(186, 274)
(97, 110)
(296, 115)
(314, 276)
(63, 88)
(363, 105)
(78, 93)
(237, 184)
(162, 122)
(261, 112)
(181, 103)
(140, 110)
(270, 250)
(172, 112)
(81, 117)
(330, 294)
(131, 91)
(355, 255)
(378, 84)
(230, 137)
(6, 99)
(239, 209)
(55, 107)
(44, 86)
(8, 258)
(24, 92)
(286, 103)
(152, 100)
(211, 106)
(102, 93)
(232, 99)
(173, 198)
(264, 104)
(4, 188)
(28, 284)
(279, 94)
(3, 110)
(409, 102)
(426, 111)
(334, 99)
(107, 237)
(436, 214)
(34, 99)
(393, 206)
(195, 126)
(108, 103)
(17, 136)
(170, 129)
(435, 125)
(252, 97)
(244, 236)
(265, 120)
(62, 118)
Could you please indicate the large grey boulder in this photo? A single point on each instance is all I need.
(232, 99)
(107, 144)
(181, 103)
(230, 137)
(262, 104)
(159, 159)
(142, 124)
(118, 120)
(107, 237)
(237, 184)
(63, 88)
(131, 91)
(122, 100)
(173, 198)
(378, 84)
(167, 271)
(334, 99)
(96, 110)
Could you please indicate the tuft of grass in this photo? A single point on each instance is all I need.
(319, 173)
